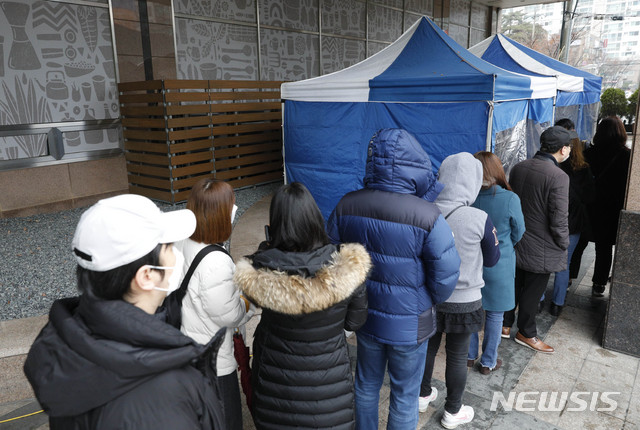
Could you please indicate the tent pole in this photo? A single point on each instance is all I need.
(490, 126)
(284, 163)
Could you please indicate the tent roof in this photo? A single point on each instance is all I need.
(423, 65)
(509, 54)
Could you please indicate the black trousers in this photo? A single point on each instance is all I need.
(576, 258)
(229, 389)
(457, 348)
(602, 267)
(529, 289)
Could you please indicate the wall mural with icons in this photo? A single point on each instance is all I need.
(227, 49)
(211, 50)
(56, 64)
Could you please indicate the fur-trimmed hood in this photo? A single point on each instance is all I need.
(294, 294)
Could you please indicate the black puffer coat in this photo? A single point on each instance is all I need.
(301, 370)
(543, 189)
(610, 166)
(582, 194)
(106, 364)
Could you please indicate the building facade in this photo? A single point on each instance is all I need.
(61, 61)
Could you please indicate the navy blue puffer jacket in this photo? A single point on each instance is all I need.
(415, 262)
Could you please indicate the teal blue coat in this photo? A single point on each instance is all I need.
(503, 207)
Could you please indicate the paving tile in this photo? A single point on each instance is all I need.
(536, 380)
(633, 414)
(6, 408)
(520, 421)
(628, 425)
(605, 375)
(622, 399)
(564, 361)
(16, 336)
(27, 421)
(615, 359)
(482, 418)
(571, 341)
(589, 420)
(579, 316)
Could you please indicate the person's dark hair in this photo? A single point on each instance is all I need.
(211, 200)
(492, 170)
(566, 123)
(114, 284)
(295, 222)
(610, 132)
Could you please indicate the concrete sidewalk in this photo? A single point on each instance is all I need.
(579, 364)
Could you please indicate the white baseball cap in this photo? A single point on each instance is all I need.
(119, 230)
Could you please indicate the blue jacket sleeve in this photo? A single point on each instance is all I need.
(490, 245)
(441, 261)
(516, 219)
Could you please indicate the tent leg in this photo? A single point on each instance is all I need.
(490, 127)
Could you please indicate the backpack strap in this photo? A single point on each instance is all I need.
(450, 213)
(194, 265)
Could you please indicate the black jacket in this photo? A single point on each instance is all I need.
(582, 194)
(543, 189)
(610, 167)
(301, 369)
(106, 364)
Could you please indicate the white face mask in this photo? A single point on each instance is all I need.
(176, 275)
(233, 213)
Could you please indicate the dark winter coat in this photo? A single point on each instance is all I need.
(610, 168)
(301, 372)
(582, 194)
(415, 262)
(543, 189)
(106, 364)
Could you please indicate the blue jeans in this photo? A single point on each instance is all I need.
(491, 341)
(561, 280)
(406, 366)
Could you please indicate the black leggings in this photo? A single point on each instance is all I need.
(457, 348)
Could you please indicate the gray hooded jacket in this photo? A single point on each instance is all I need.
(475, 236)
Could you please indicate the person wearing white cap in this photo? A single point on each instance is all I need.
(105, 359)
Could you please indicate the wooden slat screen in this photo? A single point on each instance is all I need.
(179, 131)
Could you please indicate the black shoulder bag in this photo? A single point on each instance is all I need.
(173, 303)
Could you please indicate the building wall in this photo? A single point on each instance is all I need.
(60, 62)
(293, 40)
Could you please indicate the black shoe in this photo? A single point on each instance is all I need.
(597, 290)
(540, 306)
(555, 310)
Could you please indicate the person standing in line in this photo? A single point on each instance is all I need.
(609, 161)
(543, 189)
(581, 195)
(310, 292)
(415, 267)
(106, 360)
(212, 300)
(476, 241)
(498, 295)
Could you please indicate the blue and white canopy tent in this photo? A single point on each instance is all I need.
(578, 95)
(424, 82)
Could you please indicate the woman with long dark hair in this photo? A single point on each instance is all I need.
(310, 291)
(498, 295)
(609, 161)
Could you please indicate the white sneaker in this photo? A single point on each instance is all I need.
(423, 402)
(451, 421)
